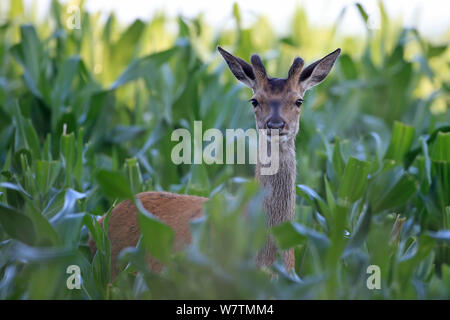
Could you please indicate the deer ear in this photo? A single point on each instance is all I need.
(295, 71)
(316, 72)
(241, 69)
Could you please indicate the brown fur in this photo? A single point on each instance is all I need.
(279, 204)
(175, 210)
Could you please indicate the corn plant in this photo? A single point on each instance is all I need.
(86, 117)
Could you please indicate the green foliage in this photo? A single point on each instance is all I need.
(86, 117)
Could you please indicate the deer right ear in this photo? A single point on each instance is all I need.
(316, 72)
(241, 69)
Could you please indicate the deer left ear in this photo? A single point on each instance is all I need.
(316, 72)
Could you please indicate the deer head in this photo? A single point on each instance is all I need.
(277, 102)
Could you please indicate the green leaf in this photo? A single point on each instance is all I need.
(427, 159)
(114, 184)
(142, 66)
(101, 263)
(434, 51)
(441, 235)
(67, 222)
(125, 48)
(199, 181)
(359, 235)
(313, 199)
(78, 168)
(47, 152)
(68, 155)
(16, 224)
(66, 74)
(440, 150)
(396, 195)
(157, 237)
(354, 181)
(134, 175)
(440, 158)
(29, 54)
(348, 66)
(401, 141)
(330, 197)
(69, 227)
(70, 200)
(362, 13)
(290, 234)
(441, 171)
(286, 235)
(338, 161)
(320, 240)
(447, 217)
(23, 252)
(412, 154)
(46, 174)
(26, 136)
(237, 14)
(44, 230)
(121, 134)
(63, 82)
(32, 139)
(16, 9)
(410, 260)
(16, 187)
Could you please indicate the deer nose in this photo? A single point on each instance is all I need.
(275, 124)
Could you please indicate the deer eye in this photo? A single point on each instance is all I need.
(254, 102)
(298, 102)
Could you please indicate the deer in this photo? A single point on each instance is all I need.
(277, 106)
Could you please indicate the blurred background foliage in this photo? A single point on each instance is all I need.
(86, 117)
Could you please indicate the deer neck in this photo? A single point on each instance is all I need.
(279, 202)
